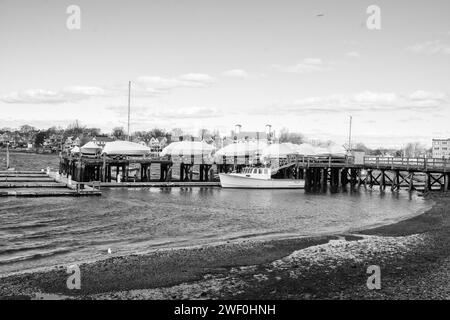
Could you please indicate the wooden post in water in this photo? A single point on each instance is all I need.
(344, 177)
(395, 180)
(353, 177)
(324, 179)
(411, 181)
(339, 176)
(104, 172)
(307, 180)
(201, 171)
(427, 182)
(383, 180)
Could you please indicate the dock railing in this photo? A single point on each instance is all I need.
(392, 163)
(408, 163)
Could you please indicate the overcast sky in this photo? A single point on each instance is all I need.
(302, 65)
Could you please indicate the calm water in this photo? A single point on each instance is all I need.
(29, 161)
(38, 232)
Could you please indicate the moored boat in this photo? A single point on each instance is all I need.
(258, 178)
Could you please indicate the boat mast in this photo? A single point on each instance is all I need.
(129, 108)
(350, 135)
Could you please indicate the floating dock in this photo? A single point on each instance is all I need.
(158, 184)
(41, 184)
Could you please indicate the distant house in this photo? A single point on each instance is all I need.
(441, 148)
(101, 141)
(71, 142)
(162, 142)
(4, 138)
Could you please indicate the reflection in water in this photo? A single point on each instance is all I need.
(46, 231)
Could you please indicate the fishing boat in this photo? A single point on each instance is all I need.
(258, 178)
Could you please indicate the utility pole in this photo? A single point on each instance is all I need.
(129, 108)
(7, 155)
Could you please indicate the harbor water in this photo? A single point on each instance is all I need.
(43, 232)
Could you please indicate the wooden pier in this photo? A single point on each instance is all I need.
(107, 169)
(319, 172)
(424, 174)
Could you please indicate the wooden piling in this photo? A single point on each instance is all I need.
(411, 181)
(382, 180)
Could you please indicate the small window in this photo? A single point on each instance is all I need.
(266, 171)
(255, 170)
(260, 171)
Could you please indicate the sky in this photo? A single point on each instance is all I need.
(304, 66)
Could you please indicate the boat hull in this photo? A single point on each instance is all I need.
(232, 181)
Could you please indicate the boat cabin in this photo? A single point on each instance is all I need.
(257, 173)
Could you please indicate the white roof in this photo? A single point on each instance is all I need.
(75, 150)
(241, 149)
(125, 148)
(337, 151)
(305, 149)
(187, 148)
(90, 148)
(276, 150)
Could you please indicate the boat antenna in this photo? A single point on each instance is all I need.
(129, 108)
(350, 135)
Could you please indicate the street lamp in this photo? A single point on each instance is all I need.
(268, 131)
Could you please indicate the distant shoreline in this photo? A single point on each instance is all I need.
(29, 152)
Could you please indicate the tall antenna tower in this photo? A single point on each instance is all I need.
(129, 109)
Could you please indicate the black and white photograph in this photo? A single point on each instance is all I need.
(236, 151)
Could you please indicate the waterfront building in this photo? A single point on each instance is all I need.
(441, 148)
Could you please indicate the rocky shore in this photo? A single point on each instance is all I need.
(413, 257)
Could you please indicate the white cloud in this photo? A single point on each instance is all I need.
(308, 65)
(143, 86)
(366, 101)
(236, 73)
(353, 54)
(68, 94)
(431, 47)
(182, 113)
(190, 80)
(189, 113)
